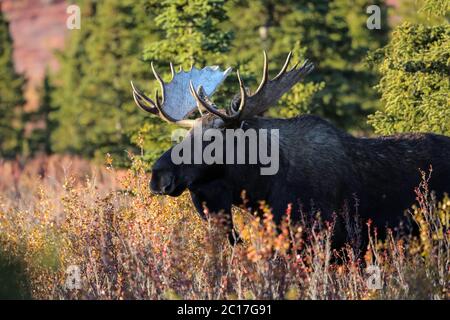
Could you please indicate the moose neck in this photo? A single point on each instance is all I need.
(306, 143)
(257, 180)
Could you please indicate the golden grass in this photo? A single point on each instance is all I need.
(129, 244)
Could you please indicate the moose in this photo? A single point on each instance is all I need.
(321, 168)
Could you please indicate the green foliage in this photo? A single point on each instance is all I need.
(14, 283)
(11, 98)
(436, 7)
(87, 108)
(333, 34)
(191, 33)
(96, 113)
(426, 12)
(39, 139)
(415, 82)
(68, 94)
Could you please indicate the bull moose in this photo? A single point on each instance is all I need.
(320, 167)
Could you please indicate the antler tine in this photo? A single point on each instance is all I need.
(286, 64)
(160, 81)
(243, 93)
(265, 76)
(302, 71)
(270, 91)
(157, 109)
(203, 104)
(307, 66)
(137, 100)
(172, 70)
(138, 97)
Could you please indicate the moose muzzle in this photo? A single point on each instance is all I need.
(162, 182)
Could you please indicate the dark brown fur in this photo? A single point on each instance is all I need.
(321, 168)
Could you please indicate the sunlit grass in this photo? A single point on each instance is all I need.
(129, 244)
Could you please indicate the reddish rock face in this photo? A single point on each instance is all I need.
(38, 27)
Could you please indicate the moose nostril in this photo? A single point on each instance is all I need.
(155, 187)
(165, 188)
(166, 185)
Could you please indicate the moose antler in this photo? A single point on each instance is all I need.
(177, 103)
(267, 94)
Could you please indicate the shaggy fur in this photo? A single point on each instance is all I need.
(321, 168)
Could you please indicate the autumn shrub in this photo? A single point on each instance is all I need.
(125, 243)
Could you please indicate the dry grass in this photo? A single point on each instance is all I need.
(129, 244)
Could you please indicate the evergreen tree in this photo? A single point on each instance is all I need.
(67, 96)
(42, 122)
(333, 34)
(436, 8)
(415, 83)
(96, 113)
(421, 12)
(192, 33)
(11, 98)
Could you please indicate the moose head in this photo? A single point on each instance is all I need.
(189, 92)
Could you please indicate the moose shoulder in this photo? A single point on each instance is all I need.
(319, 167)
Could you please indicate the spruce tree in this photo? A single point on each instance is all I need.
(97, 114)
(43, 124)
(422, 12)
(333, 34)
(192, 33)
(415, 83)
(67, 95)
(11, 96)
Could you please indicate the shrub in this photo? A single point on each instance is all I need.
(415, 83)
(129, 244)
